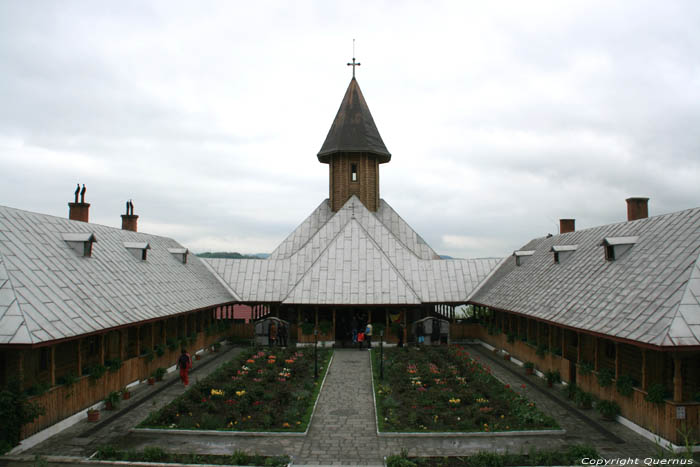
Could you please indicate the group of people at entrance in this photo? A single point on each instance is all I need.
(361, 334)
(277, 336)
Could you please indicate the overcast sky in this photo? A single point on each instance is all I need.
(501, 117)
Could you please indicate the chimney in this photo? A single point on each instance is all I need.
(130, 220)
(79, 211)
(637, 208)
(567, 225)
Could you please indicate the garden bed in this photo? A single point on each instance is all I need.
(158, 455)
(443, 390)
(264, 390)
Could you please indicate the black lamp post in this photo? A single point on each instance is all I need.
(381, 355)
(315, 353)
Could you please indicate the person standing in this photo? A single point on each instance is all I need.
(368, 335)
(184, 363)
(282, 334)
(420, 334)
(272, 333)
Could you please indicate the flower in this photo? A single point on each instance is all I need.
(285, 425)
(523, 386)
(454, 400)
(217, 392)
(240, 393)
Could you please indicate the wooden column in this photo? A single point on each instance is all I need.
(138, 340)
(595, 353)
(386, 323)
(369, 316)
(334, 331)
(80, 358)
(122, 344)
(617, 360)
(563, 343)
(677, 379)
(20, 368)
(299, 324)
(101, 346)
(405, 327)
(645, 377)
(153, 336)
(53, 365)
(315, 317)
(537, 335)
(185, 326)
(578, 347)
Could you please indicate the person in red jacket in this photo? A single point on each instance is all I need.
(184, 363)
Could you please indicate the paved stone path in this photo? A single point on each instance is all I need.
(343, 429)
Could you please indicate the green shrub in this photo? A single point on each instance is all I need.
(552, 376)
(625, 385)
(571, 390)
(159, 350)
(154, 454)
(325, 326)
(37, 389)
(608, 409)
(113, 398)
(585, 368)
(511, 337)
(16, 410)
(605, 377)
(171, 343)
(529, 365)
(556, 351)
(656, 393)
(67, 379)
(96, 372)
(158, 373)
(307, 329)
(113, 365)
(583, 399)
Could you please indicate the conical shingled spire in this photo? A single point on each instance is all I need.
(353, 129)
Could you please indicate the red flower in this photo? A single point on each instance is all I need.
(507, 386)
(523, 386)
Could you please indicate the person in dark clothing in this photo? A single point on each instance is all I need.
(184, 363)
(282, 335)
(401, 329)
(272, 334)
(420, 334)
(354, 325)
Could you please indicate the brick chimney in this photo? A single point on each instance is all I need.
(637, 208)
(130, 220)
(567, 225)
(79, 211)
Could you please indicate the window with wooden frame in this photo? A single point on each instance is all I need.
(353, 172)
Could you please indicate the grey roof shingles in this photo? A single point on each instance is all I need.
(353, 256)
(49, 292)
(650, 294)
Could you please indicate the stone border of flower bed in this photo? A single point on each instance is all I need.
(449, 434)
(283, 434)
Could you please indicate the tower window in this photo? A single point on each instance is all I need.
(353, 172)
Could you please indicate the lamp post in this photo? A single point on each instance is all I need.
(381, 354)
(315, 353)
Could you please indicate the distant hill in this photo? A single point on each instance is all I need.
(234, 255)
(446, 257)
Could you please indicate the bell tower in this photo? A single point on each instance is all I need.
(353, 151)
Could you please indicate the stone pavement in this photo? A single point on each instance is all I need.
(343, 429)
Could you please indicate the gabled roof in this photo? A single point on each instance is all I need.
(353, 257)
(353, 129)
(48, 293)
(649, 295)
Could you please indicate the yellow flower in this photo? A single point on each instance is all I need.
(285, 425)
(217, 392)
(239, 393)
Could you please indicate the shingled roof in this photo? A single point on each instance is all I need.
(353, 256)
(353, 129)
(650, 293)
(49, 291)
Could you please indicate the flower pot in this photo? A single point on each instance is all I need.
(506, 357)
(109, 406)
(151, 381)
(126, 395)
(93, 415)
(197, 357)
(529, 371)
(549, 384)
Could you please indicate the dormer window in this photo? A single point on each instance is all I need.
(522, 256)
(179, 253)
(81, 243)
(353, 172)
(138, 250)
(615, 247)
(561, 252)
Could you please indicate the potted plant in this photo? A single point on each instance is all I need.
(112, 400)
(93, 415)
(215, 346)
(583, 399)
(158, 373)
(552, 377)
(608, 409)
(151, 380)
(506, 356)
(605, 377)
(529, 368)
(126, 394)
(197, 356)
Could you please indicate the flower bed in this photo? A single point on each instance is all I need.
(267, 390)
(442, 389)
(157, 454)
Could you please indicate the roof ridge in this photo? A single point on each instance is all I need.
(396, 270)
(15, 301)
(301, 247)
(301, 276)
(396, 236)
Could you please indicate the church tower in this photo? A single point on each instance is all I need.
(353, 150)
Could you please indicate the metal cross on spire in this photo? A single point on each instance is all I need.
(353, 64)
